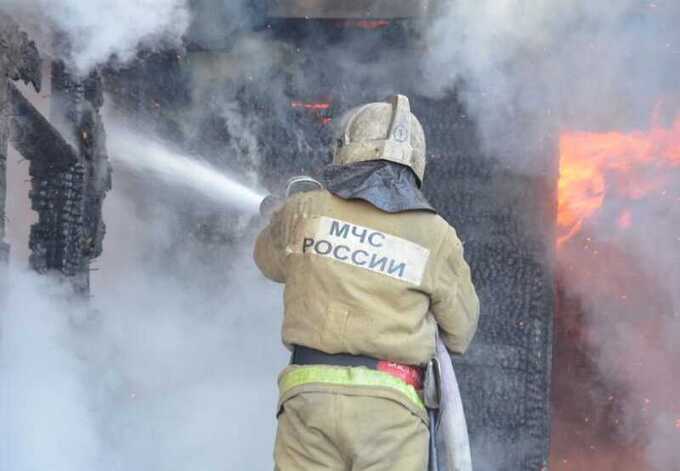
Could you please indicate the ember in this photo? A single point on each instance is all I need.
(612, 320)
(310, 106)
(320, 109)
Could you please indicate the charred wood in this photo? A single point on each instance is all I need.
(19, 60)
(19, 57)
(69, 167)
(69, 186)
(36, 139)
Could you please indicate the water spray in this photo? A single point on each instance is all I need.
(140, 154)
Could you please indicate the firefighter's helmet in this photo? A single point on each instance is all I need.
(382, 131)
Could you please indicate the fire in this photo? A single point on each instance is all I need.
(318, 106)
(591, 164)
(320, 109)
(613, 312)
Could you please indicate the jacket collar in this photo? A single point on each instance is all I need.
(387, 186)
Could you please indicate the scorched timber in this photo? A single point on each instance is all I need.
(35, 138)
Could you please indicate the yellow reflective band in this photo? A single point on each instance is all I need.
(359, 376)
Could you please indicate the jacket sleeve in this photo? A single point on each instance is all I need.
(270, 249)
(454, 302)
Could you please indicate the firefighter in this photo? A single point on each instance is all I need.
(371, 274)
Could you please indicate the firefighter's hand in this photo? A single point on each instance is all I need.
(270, 205)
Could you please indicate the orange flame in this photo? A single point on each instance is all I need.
(320, 109)
(316, 106)
(592, 163)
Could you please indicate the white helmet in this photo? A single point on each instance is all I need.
(382, 131)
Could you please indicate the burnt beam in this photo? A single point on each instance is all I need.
(36, 139)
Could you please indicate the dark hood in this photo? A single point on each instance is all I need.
(390, 187)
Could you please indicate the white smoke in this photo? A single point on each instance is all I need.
(145, 387)
(44, 397)
(626, 280)
(528, 68)
(97, 30)
(171, 365)
(159, 371)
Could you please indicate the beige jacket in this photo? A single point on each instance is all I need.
(362, 281)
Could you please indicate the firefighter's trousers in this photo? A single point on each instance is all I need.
(326, 431)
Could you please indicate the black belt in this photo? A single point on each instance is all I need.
(412, 375)
(310, 356)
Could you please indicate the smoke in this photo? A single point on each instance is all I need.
(525, 68)
(528, 68)
(172, 363)
(96, 31)
(528, 71)
(167, 367)
(43, 401)
(625, 280)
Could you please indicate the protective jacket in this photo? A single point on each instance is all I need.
(363, 281)
(369, 269)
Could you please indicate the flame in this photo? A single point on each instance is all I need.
(314, 106)
(591, 164)
(613, 308)
(319, 109)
